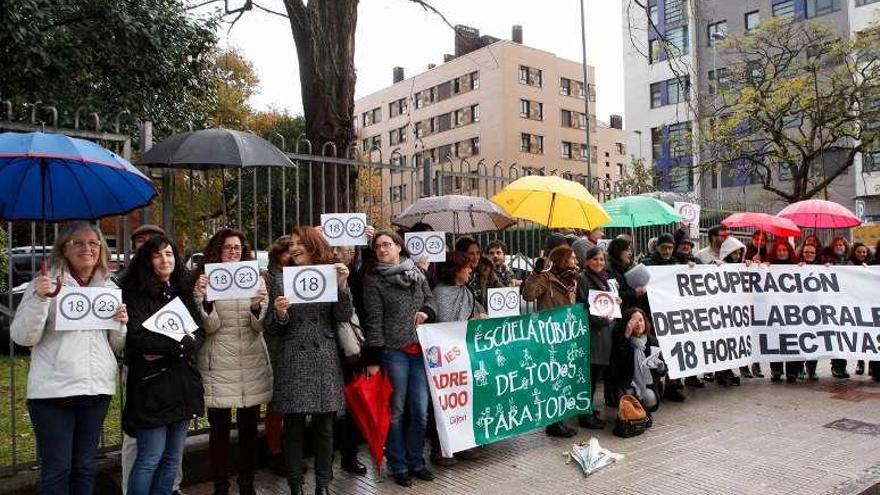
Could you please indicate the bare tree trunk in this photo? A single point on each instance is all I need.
(324, 33)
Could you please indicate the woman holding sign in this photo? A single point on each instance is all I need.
(783, 253)
(234, 362)
(397, 299)
(554, 288)
(164, 388)
(72, 373)
(308, 371)
(595, 279)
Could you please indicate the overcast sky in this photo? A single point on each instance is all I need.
(399, 33)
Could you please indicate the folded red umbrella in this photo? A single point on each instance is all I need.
(778, 226)
(369, 402)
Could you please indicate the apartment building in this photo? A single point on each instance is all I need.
(494, 101)
(661, 93)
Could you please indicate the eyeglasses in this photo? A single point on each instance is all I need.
(79, 244)
(384, 245)
(232, 249)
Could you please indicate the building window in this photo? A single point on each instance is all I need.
(675, 12)
(784, 9)
(653, 14)
(654, 50)
(475, 145)
(397, 193)
(565, 86)
(620, 148)
(719, 79)
(573, 119)
(751, 20)
(872, 160)
(754, 73)
(531, 110)
(531, 143)
(565, 152)
(717, 31)
(372, 117)
(656, 94)
(398, 160)
(523, 74)
(475, 80)
(475, 113)
(679, 89)
(860, 3)
(396, 108)
(678, 41)
(816, 8)
(530, 76)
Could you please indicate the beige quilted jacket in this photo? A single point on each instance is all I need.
(234, 361)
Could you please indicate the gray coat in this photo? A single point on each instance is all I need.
(389, 310)
(306, 364)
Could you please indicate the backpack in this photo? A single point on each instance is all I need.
(632, 420)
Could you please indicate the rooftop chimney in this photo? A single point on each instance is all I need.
(431, 66)
(448, 57)
(398, 74)
(616, 122)
(517, 34)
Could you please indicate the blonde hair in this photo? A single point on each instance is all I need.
(70, 228)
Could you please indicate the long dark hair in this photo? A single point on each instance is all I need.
(141, 278)
(615, 249)
(792, 255)
(214, 249)
(280, 246)
(455, 262)
(852, 254)
(628, 314)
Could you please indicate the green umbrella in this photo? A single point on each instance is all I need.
(639, 211)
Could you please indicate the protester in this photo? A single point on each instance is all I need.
(454, 302)
(308, 373)
(632, 370)
(72, 375)
(554, 288)
(234, 364)
(142, 234)
(595, 278)
(874, 366)
(782, 253)
(396, 300)
(860, 254)
(163, 388)
(684, 250)
(837, 253)
(279, 257)
(717, 235)
(732, 251)
(757, 249)
(808, 255)
(619, 257)
(348, 433)
(663, 255)
(482, 274)
(506, 276)
(583, 243)
(813, 240)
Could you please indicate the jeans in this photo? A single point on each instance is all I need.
(159, 451)
(294, 429)
(406, 443)
(68, 430)
(127, 456)
(218, 441)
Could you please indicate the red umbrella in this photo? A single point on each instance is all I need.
(779, 226)
(820, 214)
(369, 401)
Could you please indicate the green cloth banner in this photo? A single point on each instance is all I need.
(498, 378)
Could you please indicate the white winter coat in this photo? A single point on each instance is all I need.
(66, 363)
(234, 362)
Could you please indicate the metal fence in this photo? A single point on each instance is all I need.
(267, 202)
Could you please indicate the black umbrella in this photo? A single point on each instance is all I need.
(210, 149)
(213, 149)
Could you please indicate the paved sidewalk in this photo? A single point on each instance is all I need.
(760, 438)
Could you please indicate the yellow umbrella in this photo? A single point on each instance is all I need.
(552, 201)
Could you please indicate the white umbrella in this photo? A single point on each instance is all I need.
(455, 214)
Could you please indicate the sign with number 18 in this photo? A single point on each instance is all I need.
(310, 284)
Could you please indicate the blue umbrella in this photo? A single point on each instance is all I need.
(56, 178)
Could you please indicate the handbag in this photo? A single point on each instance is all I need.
(350, 336)
(632, 419)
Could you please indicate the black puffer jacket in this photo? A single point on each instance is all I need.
(168, 389)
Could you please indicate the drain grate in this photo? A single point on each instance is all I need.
(855, 426)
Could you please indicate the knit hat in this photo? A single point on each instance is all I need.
(580, 247)
(665, 239)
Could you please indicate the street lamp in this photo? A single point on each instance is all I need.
(586, 100)
(716, 37)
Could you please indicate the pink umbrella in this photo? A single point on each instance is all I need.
(778, 226)
(820, 214)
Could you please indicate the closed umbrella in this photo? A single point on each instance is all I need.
(553, 202)
(773, 224)
(820, 214)
(369, 400)
(639, 211)
(455, 214)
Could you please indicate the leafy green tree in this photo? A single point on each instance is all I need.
(150, 57)
(793, 108)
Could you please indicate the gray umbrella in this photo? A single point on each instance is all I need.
(455, 214)
(214, 149)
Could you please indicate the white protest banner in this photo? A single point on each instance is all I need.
(604, 304)
(240, 280)
(690, 216)
(710, 318)
(173, 320)
(498, 378)
(431, 245)
(344, 229)
(310, 284)
(87, 308)
(503, 302)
